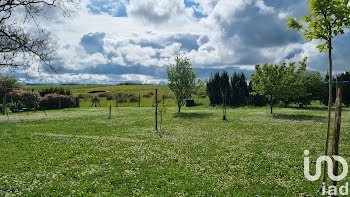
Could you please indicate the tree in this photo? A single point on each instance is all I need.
(225, 91)
(182, 80)
(21, 45)
(292, 85)
(239, 89)
(315, 88)
(254, 98)
(268, 81)
(213, 89)
(7, 82)
(327, 19)
(279, 82)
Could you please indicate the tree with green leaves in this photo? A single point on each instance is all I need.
(281, 82)
(315, 88)
(292, 85)
(327, 19)
(267, 81)
(182, 80)
(7, 82)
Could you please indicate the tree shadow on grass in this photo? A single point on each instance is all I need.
(192, 115)
(300, 117)
(317, 108)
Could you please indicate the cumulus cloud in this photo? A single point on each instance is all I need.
(135, 40)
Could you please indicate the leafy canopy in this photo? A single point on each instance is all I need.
(328, 18)
(182, 79)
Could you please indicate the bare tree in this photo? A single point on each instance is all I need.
(23, 40)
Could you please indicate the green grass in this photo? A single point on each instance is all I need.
(252, 153)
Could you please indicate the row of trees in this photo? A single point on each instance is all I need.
(284, 83)
(234, 90)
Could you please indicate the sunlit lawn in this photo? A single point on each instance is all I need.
(82, 152)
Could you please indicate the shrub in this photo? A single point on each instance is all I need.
(52, 90)
(107, 95)
(133, 98)
(20, 98)
(146, 96)
(121, 98)
(51, 101)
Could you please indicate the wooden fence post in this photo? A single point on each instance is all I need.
(156, 106)
(337, 126)
(110, 110)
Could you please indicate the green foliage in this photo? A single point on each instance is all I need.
(52, 101)
(239, 90)
(279, 83)
(254, 98)
(315, 86)
(53, 90)
(182, 80)
(326, 20)
(235, 87)
(20, 98)
(7, 82)
(213, 89)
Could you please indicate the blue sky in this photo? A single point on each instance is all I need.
(109, 41)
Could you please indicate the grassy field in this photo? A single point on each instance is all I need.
(146, 93)
(81, 152)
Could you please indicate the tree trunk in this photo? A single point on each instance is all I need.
(271, 104)
(329, 107)
(179, 106)
(337, 125)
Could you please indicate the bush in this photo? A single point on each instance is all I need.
(51, 101)
(20, 98)
(121, 98)
(133, 98)
(107, 95)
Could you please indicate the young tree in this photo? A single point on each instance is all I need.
(279, 82)
(292, 85)
(327, 19)
(22, 44)
(268, 81)
(182, 80)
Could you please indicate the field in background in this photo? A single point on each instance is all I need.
(143, 90)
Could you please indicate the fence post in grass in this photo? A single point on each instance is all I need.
(156, 106)
(139, 100)
(110, 110)
(337, 126)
